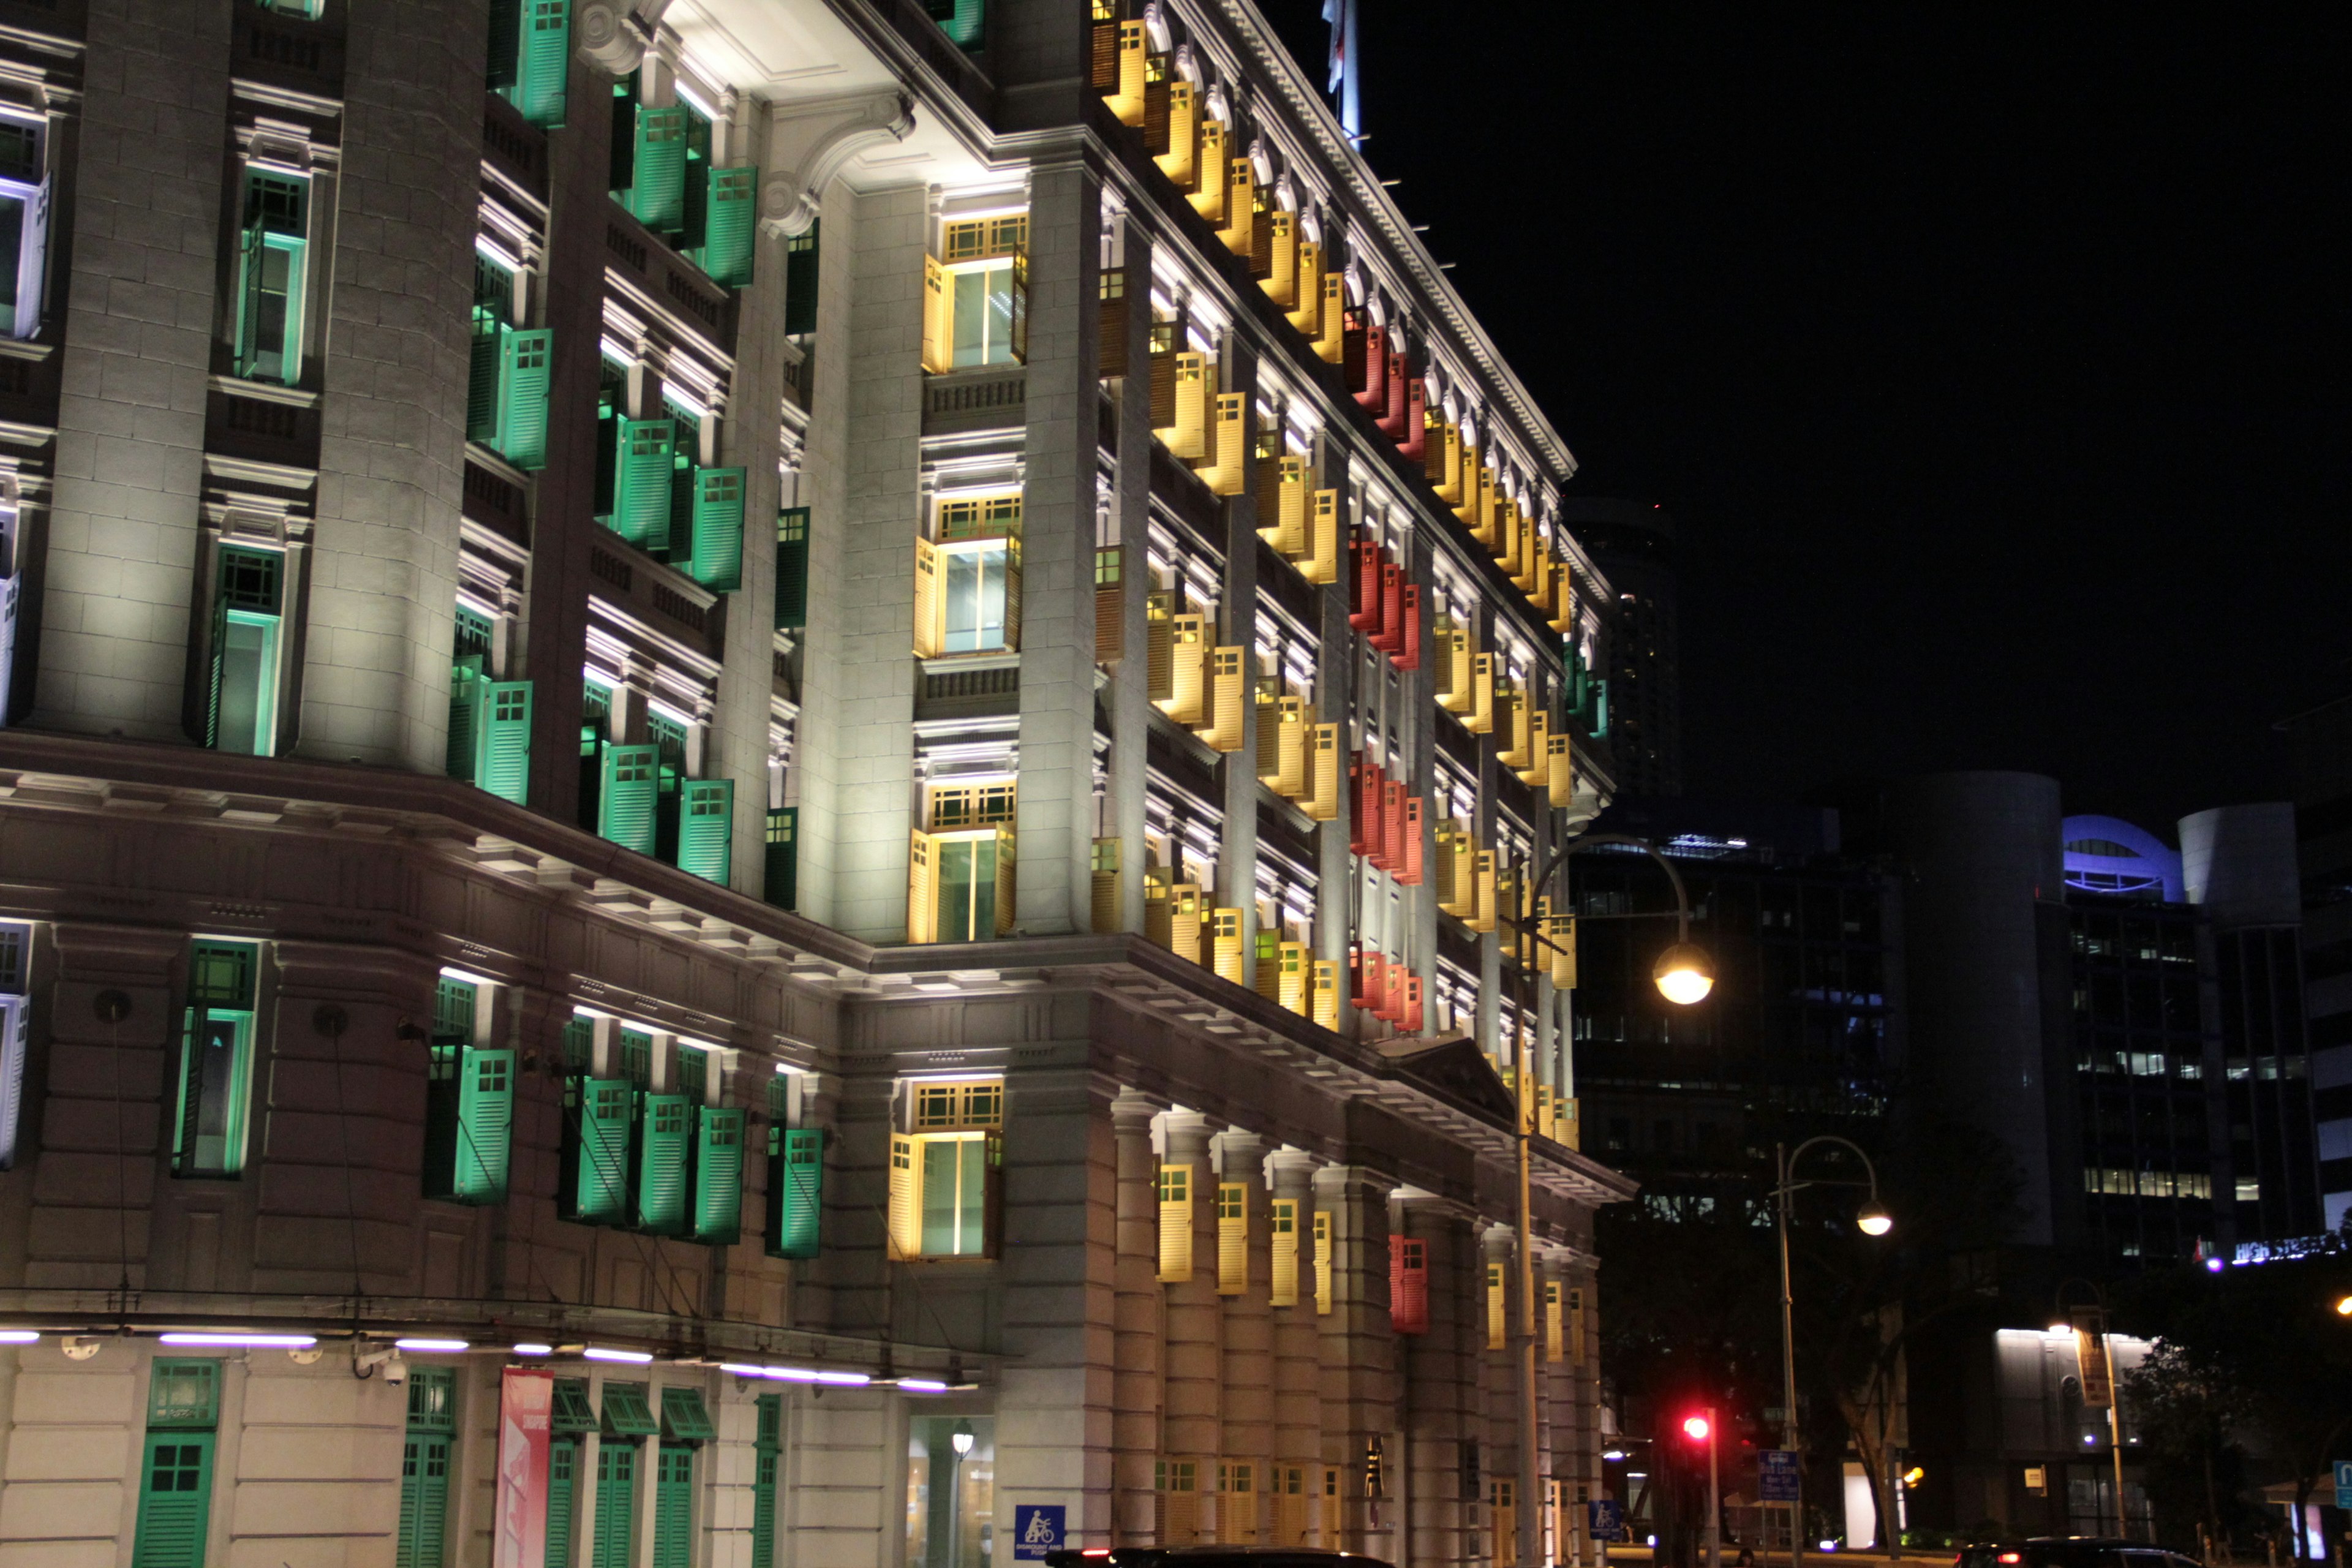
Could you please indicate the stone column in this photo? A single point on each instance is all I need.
(140, 307)
(1248, 1331)
(1498, 1385)
(1056, 803)
(1192, 1426)
(1136, 1393)
(1130, 693)
(1441, 1370)
(1297, 1349)
(392, 454)
(1490, 947)
(1359, 1362)
(1237, 861)
(1335, 698)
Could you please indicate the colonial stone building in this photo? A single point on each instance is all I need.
(770, 778)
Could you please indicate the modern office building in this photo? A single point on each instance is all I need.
(2319, 745)
(765, 789)
(1635, 545)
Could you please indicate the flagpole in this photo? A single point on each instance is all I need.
(1351, 115)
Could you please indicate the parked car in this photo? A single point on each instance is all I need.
(1216, 1557)
(2070, 1552)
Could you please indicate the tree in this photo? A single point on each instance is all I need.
(2187, 1407)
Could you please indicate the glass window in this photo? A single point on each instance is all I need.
(983, 314)
(951, 1491)
(271, 276)
(24, 226)
(954, 1193)
(967, 873)
(975, 597)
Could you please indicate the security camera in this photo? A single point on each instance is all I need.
(396, 1370)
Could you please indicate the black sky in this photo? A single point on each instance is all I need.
(1991, 360)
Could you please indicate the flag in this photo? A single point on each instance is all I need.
(1344, 72)
(1336, 13)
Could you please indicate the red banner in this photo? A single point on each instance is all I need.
(526, 1403)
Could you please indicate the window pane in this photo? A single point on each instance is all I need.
(939, 1170)
(246, 680)
(963, 602)
(1000, 315)
(971, 318)
(12, 240)
(983, 890)
(955, 873)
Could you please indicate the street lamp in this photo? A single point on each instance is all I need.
(2089, 1327)
(1700, 1428)
(1872, 1220)
(959, 1440)
(1685, 974)
(2344, 1307)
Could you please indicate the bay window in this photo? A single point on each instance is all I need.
(976, 295)
(25, 193)
(961, 872)
(272, 275)
(946, 1173)
(241, 710)
(216, 1065)
(968, 581)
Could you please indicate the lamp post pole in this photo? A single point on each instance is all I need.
(2098, 1315)
(1783, 1189)
(1714, 1497)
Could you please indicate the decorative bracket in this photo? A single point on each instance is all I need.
(808, 146)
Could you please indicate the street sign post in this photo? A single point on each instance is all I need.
(2344, 1483)
(1776, 1475)
(1608, 1519)
(1037, 1530)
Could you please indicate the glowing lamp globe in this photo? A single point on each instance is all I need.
(1874, 1220)
(2344, 1307)
(1695, 1428)
(1685, 974)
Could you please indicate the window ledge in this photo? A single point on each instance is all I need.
(266, 390)
(964, 661)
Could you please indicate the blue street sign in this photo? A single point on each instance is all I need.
(2344, 1483)
(1776, 1475)
(1037, 1528)
(1608, 1519)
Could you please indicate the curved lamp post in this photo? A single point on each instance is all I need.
(1684, 974)
(2089, 1324)
(1872, 1219)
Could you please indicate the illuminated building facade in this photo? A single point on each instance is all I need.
(927, 1053)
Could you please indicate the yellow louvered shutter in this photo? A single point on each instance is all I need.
(1536, 774)
(922, 888)
(1510, 723)
(1449, 890)
(1208, 197)
(1226, 929)
(939, 318)
(1281, 284)
(1282, 506)
(1482, 919)
(931, 602)
(1327, 993)
(1563, 953)
(906, 1199)
(1571, 1124)
(1325, 773)
(1158, 906)
(1228, 445)
(1465, 504)
(1466, 871)
(1269, 737)
(1332, 346)
(1489, 499)
(1160, 645)
(1522, 749)
(1555, 1331)
(1292, 995)
(1228, 695)
(1322, 564)
(1008, 899)
(1322, 1261)
(1559, 778)
(1184, 133)
(1232, 1232)
(1179, 1500)
(1239, 231)
(1449, 486)
(1290, 1505)
(1481, 718)
(1184, 921)
(1012, 594)
(1505, 545)
(1283, 1253)
(1126, 103)
(1576, 1345)
(1496, 1337)
(1188, 658)
(1306, 291)
(1290, 748)
(1175, 1223)
(1103, 873)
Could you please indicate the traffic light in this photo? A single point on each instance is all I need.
(1695, 1428)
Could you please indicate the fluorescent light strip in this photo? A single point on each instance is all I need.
(534, 1350)
(796, 1374)
(18, 1336)
(598, 1352)
(922, 1385)
(448, 1347)
(260, 1341)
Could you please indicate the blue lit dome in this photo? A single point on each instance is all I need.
(2108, 854)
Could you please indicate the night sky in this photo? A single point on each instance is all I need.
(1992, 362)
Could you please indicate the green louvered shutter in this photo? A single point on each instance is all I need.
(484, 354)
(562, 1465)
(627, 795)
(663, 1143)
(423, 1501)
(503, 753)
(523, 371)
(706, 823)
(764, 1480)
(600, 1179)
(782, 885)
(728, 226)
(963, 21)
(220, 656)
(674, 1506)
(718, 1176)
(616, 1502)
(796, 1190)
(792, 568)
(465, 709)
(505, 46)
(485, 1126)
(718, 529)
(641, 481)
(658, 194)
(799, 281)
(174, 1501)
(542, 61)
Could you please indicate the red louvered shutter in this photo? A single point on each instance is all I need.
(1408, 1285)
(1358, 819)
(1408, 653)
(1407, 870)
(1391, 1007)
(1412, 1008)
(1364, 587)
(1392, 823)
(1353, 343)
(1355, 974)
(1389, 635)
(1415, 442)
(1372, 391)
(1391, 408)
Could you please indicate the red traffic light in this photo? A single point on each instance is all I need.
(1695, 1428)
